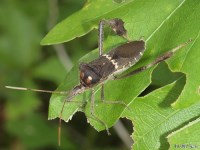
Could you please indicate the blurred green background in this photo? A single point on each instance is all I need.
(24, 63)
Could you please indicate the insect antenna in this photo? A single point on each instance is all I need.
(46, 91)
(60, 123)
(35, 90)
(60, 119)
(75, 91)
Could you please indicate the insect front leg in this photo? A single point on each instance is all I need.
(102, 92)
(93, 113)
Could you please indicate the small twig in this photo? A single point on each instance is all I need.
(63, 56)
(123, 134)
(60, 49)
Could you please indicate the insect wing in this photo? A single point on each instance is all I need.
(128, 54)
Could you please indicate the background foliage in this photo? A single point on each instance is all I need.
(163, 100)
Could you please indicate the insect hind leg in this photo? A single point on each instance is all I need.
(159, 59)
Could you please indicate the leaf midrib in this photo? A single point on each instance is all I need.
(181, 68)
(168, 17)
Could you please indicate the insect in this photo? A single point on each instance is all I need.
(107, 66)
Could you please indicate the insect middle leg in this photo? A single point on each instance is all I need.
(110, 101)
(93, 113)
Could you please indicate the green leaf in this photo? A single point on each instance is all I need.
(186, 137)
(81, 22)
(154, 119)
(189, 66)
(134, 13)
(187, 61)
(164, 24)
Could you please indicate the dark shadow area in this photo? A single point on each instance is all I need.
(86, 137)
(162, 76)
(171, 94)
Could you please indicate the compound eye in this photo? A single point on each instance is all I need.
(85, 79)
(82, 75)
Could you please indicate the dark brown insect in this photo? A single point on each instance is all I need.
(114, 62)
(107, 66)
